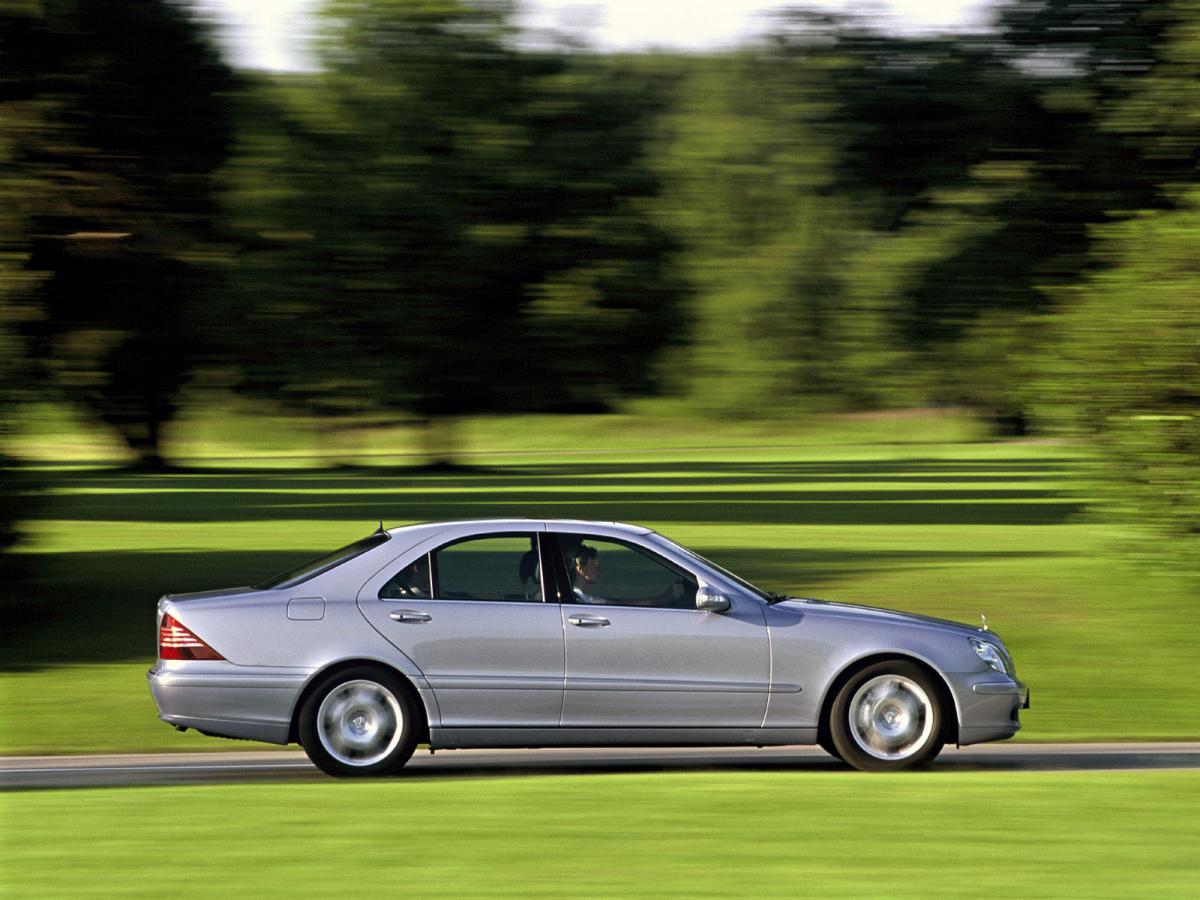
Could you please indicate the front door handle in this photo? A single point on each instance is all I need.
(409, 615)
(589, 621)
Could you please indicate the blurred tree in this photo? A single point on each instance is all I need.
(817, 183)
(867, 219)
(1128, 373)
(446, 225)
(20, 112)
(935, 134)
(748, 173)
(1128, 377)
(1106, 44)
(914, 115)
(132, 128)
(1157, 111)
(981, 164)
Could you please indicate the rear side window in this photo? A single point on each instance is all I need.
(496, 567)
(322, 564)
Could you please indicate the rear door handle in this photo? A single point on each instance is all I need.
(409, 615)
(589, 621)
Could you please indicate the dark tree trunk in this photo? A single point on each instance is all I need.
(440, 441)
(1010, 423)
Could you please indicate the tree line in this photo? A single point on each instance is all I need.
(443, 221)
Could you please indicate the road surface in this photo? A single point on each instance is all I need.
(31, 772)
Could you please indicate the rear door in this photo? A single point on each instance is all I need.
(470, 613)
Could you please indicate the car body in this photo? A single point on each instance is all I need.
(489, 633)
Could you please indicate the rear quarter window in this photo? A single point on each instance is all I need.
(322, 564)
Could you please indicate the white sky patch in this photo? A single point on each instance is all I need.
(273, 34)
(701, 24)
(263, 34)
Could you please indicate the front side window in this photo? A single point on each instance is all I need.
(612, 573)
(496, 567)
(736, 579)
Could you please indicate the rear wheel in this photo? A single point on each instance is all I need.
(887, 717)
(359, 722)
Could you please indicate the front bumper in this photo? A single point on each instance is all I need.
(1016, 688)
(989, 706)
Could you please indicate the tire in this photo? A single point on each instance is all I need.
(826, 744)
(887, 717)
(359, 722)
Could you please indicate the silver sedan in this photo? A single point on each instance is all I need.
(521, 633)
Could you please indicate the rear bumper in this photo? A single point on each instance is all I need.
(222, 699)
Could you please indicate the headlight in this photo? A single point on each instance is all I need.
(992, 655)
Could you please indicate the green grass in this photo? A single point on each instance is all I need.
(236, 431)
(1062, 834)
(101, 708)
(854, 510)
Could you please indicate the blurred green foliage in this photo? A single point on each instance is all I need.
(441, 225)
(444, 221)
(1129, 376)
(121, 127)
(1123, 371)
(747, 192)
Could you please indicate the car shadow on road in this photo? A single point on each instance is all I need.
(973, 760)
(450, 765)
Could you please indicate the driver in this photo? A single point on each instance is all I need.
(585, 582)
(586, 566)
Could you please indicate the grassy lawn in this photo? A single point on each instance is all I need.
(1072, 834)
(911, 514)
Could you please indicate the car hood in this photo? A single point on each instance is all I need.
(814, 606)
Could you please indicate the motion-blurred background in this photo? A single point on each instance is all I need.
(854, 306)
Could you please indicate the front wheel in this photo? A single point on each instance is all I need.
(826, 744)
(887, 717)
(358, 722)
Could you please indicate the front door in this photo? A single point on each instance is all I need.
(639, 653)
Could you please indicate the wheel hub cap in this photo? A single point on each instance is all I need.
(891, 717)
(360, 722)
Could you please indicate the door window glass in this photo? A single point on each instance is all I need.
(497, 567)
(612, 573)
(413, 581)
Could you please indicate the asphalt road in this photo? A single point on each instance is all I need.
(33, 772)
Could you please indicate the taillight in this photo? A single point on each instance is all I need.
(176, 642)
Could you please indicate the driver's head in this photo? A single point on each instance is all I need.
(587, 564)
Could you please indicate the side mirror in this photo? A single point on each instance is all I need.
(710, 601)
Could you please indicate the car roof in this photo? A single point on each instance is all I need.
(522, 523)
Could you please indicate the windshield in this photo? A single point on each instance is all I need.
(322, 564)
(769, 596)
